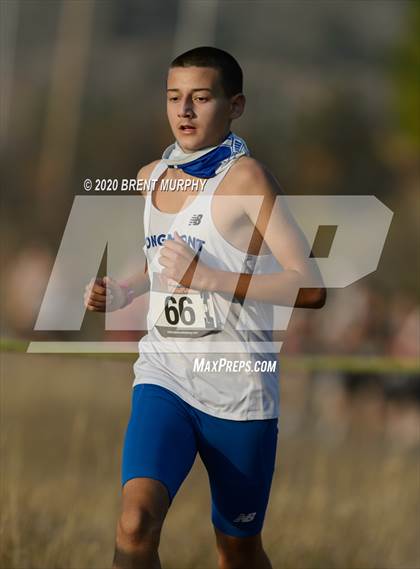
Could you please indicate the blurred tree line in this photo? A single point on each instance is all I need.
(407, 76)
(333, 93)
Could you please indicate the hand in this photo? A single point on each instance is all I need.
(181, 264)
(104, 295)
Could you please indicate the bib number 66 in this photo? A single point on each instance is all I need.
(176, 310)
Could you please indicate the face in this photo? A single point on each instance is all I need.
(198, 110)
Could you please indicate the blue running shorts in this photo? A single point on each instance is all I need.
(163, 436)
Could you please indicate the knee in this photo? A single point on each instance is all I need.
(238, 553)
(138, 526)
(233, 560)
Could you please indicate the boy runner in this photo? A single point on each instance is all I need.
(212, 264)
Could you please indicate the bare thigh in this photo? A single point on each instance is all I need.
(241, 551)
(227, 544)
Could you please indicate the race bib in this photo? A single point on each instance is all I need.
(181, 312)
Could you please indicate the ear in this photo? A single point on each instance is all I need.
(237, 105)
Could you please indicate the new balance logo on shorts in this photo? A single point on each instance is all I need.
(245, 517)
(196, 219)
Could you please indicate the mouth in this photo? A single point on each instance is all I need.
(187, 128)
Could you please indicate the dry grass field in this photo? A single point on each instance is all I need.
(353, 504)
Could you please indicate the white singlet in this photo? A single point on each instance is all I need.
(188, 327)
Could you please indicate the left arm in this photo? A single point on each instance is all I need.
(299, 284)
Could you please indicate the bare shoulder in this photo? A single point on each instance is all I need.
(249, 176)
(146, 170)
(144, 173)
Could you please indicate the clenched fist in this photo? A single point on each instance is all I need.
(181, 264)
(104, 295)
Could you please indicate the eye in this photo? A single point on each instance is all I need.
(201, 99)
(173, 98)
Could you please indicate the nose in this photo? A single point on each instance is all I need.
(185, 108)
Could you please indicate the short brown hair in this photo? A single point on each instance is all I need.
(230, 71)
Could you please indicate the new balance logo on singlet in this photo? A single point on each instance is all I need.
(245, 517)
(196, 219)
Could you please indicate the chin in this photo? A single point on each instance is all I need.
(190, 146)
